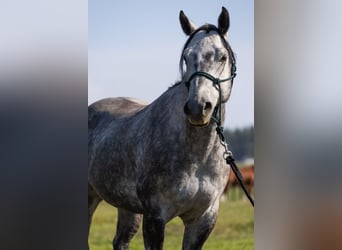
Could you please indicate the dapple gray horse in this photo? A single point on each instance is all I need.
(163, 160)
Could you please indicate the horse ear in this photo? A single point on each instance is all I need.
(223, 21)
(187, 26)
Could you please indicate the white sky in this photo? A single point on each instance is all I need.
(134, 49)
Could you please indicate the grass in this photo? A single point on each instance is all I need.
(234, 229)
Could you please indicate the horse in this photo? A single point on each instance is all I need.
(248, 180)
(157, 161)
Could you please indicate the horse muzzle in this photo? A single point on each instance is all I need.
(198, 113)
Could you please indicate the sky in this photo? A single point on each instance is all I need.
(134, 49)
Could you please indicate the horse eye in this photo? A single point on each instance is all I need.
(223, 58)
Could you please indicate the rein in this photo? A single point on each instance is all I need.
(216, 117)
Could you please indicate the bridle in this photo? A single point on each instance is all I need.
(217, 114)
(216, 117)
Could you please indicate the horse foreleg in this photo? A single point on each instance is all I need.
(197, 231)
(153, 231)
(127, 227)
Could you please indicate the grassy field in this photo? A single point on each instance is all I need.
(234, 229)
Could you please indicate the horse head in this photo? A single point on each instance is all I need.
(207, 67)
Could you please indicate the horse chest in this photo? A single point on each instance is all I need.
(208, 179)
(192, 196)
(197, 189)
(201, 189)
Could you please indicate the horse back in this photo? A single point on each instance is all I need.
(109, 109)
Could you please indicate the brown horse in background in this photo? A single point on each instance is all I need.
(248, 180)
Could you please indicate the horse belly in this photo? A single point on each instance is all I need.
(115, 182)
(123, 195)
(120, 193)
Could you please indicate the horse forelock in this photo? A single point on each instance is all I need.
(207, 28)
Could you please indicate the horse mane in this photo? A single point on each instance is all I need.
(175, 84)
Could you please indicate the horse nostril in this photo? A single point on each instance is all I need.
(208, 106)
(186, 109)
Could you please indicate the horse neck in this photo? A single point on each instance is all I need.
(179, 129)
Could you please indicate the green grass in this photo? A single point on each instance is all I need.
(234, 229)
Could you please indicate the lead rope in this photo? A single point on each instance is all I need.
(228, 155)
